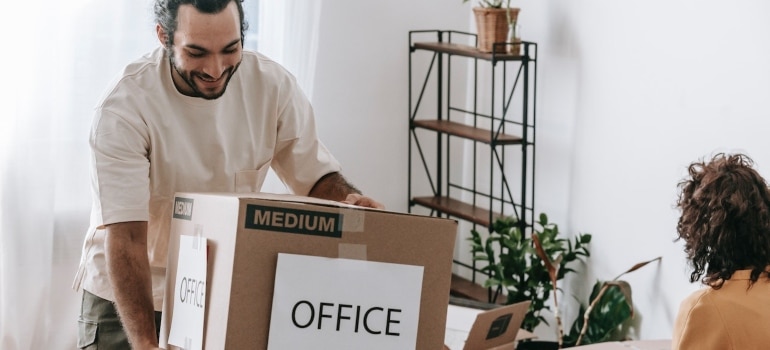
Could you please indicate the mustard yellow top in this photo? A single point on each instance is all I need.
(730, 318)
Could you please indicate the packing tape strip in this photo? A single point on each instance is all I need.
(352, 220)
(352, 251)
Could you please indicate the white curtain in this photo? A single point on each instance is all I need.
(288, 34)
(58, 57)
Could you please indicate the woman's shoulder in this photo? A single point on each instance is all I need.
(698, 298)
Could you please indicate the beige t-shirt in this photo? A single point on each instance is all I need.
(149, 141)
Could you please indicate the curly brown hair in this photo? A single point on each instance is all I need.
(725, 221)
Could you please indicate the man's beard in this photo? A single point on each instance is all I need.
(188, 76)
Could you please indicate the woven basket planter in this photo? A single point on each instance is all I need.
(492, 26)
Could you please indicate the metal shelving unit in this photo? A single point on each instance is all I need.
(493, 121)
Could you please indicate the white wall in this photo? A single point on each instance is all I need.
(630, 92)
(655, 86)
(360, 94)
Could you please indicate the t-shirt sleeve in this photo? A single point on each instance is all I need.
(300, 158)
(120, 169)
(699, 325)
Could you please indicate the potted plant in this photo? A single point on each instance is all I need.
(529, 268)
(513, 266)
(494, 23)
(603, 317)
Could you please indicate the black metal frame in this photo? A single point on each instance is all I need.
(525, 81)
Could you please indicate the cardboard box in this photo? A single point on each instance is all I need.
(242, 257)
(479, 326)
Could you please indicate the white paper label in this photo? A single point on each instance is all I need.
(189, 294)
(324, 303)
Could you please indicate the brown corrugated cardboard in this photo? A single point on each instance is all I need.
(242, 257)
(493, 327)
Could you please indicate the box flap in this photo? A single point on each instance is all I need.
(283, 197)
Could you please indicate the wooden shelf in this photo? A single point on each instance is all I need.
(465, 50)
(468, 132)
(456, 208)
(463, 288)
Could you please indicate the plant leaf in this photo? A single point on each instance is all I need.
(549, 265)
(638, 266)
(625, 288)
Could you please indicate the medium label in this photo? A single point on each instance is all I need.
(304, 222)
(183, 208)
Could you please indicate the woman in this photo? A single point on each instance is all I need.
(725, 224)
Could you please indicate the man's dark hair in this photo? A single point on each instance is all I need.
(725, 221)
(166, 12)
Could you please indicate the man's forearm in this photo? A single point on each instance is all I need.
(129, 273)
(333, 186)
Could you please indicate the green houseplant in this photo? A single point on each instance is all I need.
(496, 22)
(512, 263)
(602, 318)
(529, 268)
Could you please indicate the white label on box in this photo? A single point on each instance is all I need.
(189, 294)
(324, 303)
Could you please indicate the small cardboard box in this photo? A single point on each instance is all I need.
(245, 233)
(478, 326)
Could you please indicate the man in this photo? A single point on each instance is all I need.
(198, 114)
(725, 226)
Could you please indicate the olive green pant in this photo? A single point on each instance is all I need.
(99, 326)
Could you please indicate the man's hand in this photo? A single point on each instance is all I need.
(362, 201)
(334, 187)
